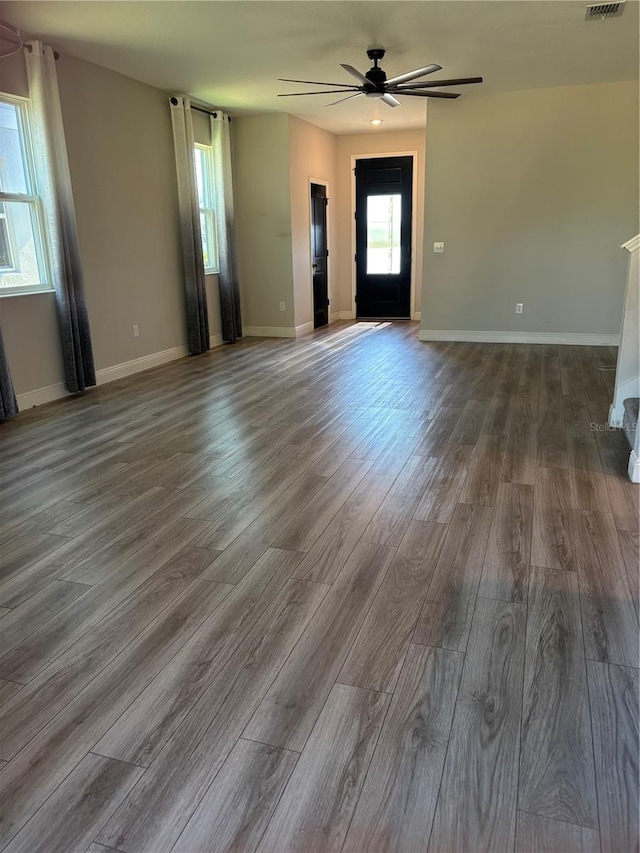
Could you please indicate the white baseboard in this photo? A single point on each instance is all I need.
(136, 365)
(634, 467)
(108, 374)
(334, 317)
(269, 332)
(304, 329)
(345, 315)
(215, 341)
(615, 416)
(417, 315)
(41, 395)
(573, 338)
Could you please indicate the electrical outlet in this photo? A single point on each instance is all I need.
(136, 331)
(282, 306)
(438, 247)
(519, 307)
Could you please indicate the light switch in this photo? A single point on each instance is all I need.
(438, 247)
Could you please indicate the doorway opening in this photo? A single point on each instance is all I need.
(319, 254)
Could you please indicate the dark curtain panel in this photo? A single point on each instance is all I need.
(53, 168)
(229, 288)
(73, 319)
(195, 294)
(8, 404)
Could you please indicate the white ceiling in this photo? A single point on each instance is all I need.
(230, 54)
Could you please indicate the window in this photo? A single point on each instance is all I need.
(6, 255)
(203, 157)
(384, 213)
(22, 259)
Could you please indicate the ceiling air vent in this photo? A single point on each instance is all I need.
(603, 11)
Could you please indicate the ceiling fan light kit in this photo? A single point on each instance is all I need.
(374, 83)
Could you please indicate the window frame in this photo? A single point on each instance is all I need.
(8, 238)
(208, 210)
(34, 202)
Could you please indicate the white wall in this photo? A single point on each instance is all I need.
(629, 364)
(532, 192)
(627, 382)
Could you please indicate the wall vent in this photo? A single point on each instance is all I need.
(603, 11)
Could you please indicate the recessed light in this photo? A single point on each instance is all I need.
(376, 121)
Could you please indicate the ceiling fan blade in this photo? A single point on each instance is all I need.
(411, 75)
(430, 94)
(314, 82)
(340, 100)
(321, 92)
(462, 81)
(355, 73)
(390, 100)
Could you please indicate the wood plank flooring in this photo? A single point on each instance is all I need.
(350, 592)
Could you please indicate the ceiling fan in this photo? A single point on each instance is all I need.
(374, 83)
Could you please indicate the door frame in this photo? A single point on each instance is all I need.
(414, 222)
(323, 183)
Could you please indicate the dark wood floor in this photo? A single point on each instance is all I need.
(350, 592)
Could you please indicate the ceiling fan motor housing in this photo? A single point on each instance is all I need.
(375, 75)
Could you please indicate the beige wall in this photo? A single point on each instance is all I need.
(260, 148)
(374, 142)
(124, 185)
(123, 174)
(31, 341)
(532, 192)
(312, 154)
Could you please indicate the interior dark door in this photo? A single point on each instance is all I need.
(319, 253)
(383, 237)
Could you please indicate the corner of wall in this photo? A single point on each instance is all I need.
(313, 155)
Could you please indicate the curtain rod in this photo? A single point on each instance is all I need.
(29, 47)
(202, 110)
(213, 113)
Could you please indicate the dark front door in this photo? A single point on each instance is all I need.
(383, 237)
(319, 254)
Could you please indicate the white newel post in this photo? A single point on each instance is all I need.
(627, 383)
